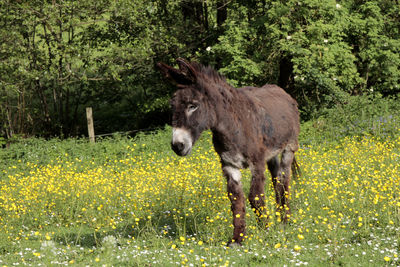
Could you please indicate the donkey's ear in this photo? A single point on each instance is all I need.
(187, 69)
(175, 75)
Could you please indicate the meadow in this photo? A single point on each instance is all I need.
(132, 202)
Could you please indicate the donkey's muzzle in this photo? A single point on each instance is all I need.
(181, 141)
(179, 148)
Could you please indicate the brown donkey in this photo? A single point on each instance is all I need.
(250, 127)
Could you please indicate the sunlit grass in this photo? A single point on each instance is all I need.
(151, 207)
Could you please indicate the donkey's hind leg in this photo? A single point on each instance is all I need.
(282, 184)
(273, 167)
(257, 195)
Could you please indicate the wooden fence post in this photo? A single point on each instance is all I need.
(89, 116)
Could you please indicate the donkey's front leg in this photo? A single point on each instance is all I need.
(235, 194)
(257, 195)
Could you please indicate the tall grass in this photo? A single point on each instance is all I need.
(359, 116)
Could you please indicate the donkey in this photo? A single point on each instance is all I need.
(250, 127)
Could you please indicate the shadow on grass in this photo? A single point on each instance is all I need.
(160, 225)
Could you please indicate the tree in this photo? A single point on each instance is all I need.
(57, 57)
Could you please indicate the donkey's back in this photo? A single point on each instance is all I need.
(279, 115)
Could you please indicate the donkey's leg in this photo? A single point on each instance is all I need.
(282, 186)
(257, 195)
(235, 194)
(273, 167)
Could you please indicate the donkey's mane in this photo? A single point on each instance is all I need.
(208, 72)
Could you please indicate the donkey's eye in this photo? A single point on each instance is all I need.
(192, 107)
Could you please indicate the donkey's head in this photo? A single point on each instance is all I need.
(191, 113)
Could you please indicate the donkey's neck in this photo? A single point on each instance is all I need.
(231, 109)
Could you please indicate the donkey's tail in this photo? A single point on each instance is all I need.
(296, 172)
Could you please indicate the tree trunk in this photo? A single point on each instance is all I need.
(205, 12)
(222, 15)
(222, 12)
(285, 79)
(10, 129)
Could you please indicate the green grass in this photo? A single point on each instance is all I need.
(132, 202)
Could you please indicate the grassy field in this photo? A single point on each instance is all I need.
(132, 202)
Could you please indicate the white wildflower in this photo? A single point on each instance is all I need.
(109, 241)
(49, 246)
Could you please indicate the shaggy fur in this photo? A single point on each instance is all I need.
(250, 126)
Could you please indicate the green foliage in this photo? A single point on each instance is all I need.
(58, 58)
(2, 141)
(374, 31)
(320, 51)
(328, 56)
(233, 50)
